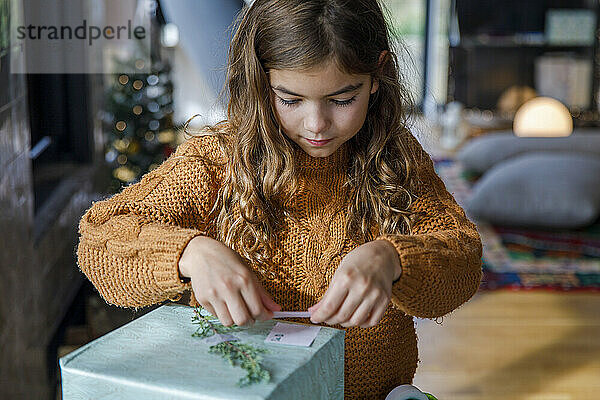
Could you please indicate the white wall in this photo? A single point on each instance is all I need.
(201, 55)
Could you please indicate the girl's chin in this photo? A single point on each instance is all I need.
(319, 152)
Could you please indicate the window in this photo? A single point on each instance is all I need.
(408, 23)
(422, 25)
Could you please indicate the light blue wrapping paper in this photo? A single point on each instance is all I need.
(155, 357)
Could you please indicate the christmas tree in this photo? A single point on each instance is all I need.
(138, 124)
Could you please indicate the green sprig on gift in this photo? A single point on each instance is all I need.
(246, 356)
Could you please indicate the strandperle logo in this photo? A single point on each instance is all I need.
(83, 32)
(82, 36)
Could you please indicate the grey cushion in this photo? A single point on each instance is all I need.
(481, 153)
(539, 190)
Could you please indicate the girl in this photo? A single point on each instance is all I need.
(312, 191)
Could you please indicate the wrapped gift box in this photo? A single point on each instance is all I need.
(156, 357)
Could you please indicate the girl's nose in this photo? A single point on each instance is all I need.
(316, 121)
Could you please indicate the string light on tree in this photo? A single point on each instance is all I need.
(138, 84)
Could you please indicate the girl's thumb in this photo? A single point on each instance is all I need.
(267, 301)
(314, 307)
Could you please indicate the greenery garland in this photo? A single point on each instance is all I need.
(246, 356)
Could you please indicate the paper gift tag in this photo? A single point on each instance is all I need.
(294, 334)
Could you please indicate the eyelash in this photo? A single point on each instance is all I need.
(291, 103)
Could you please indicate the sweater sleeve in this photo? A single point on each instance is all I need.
(441, 259)
(130, 244)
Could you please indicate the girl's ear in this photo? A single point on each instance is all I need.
(380, 64)
(382, 59)
(374, 85)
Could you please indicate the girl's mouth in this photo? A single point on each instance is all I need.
(318, 142)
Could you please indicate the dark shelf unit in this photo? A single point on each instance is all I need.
(494, 54)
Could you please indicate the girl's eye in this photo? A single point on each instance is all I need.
(344, 103)
(341, 103)
(288, 103)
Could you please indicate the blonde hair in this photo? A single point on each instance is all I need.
(261, 175)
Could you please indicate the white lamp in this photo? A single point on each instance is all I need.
(543, 117)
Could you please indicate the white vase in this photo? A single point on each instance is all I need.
(406, 392)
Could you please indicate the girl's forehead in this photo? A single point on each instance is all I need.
(328, 69)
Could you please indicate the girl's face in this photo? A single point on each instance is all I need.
(321, 108)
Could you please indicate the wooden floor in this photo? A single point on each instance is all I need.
(513, 345)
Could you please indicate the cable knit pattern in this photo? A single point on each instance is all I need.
(441, 260)
(130, 246)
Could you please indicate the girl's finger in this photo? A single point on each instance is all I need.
(332, 300)
(254, 300)
(377, 313)
(347, 309)
(361, 314)
(238, 309)
(222, 313)
(267, 300)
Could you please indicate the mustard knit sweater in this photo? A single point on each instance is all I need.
(130, 245)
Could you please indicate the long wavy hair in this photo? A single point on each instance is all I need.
(261, 176)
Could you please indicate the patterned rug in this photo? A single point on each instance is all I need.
(529, 259)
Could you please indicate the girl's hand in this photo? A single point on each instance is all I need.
(361, 287)
(223, 284)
